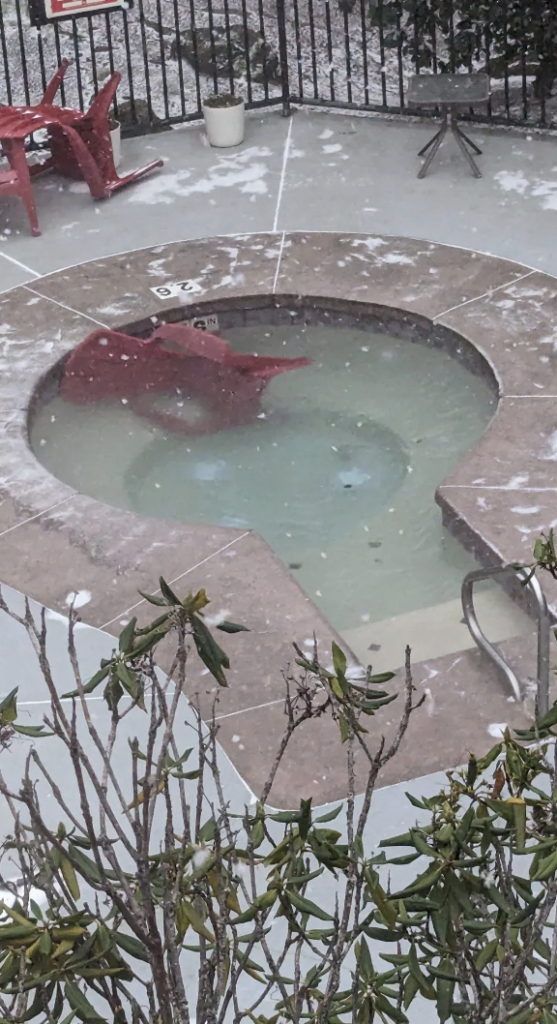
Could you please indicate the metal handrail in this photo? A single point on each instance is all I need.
(544, 625)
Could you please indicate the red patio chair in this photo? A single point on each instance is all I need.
(94, 128)
(80, 144)
(15, 181)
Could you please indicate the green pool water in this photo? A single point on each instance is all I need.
(337, 473)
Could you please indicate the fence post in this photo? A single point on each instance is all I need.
(283, 56)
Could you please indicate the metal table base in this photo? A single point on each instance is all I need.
(434, 144)
(448, 93)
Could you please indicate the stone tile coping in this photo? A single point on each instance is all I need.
(498, 316)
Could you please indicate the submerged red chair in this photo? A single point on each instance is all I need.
(80, 145)
(177, 359)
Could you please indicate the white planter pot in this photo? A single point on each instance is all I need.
(116, 145)
(225, 125)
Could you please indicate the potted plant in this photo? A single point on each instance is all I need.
(224, 120)
(115, 130)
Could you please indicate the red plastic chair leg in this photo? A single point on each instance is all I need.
(15, 151)
(55, 82)
(128, 179)
(71, 157)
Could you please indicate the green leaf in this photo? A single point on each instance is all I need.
(248, 915)
(440, 920)
(35, 1008)
(486, 955)
(411, 989)
(422, 847)
(69, 1018)
(330, 815)
(490, 757)
(383, 934)
(95, 681)
(17, 931)
(407, 858)
(153, 599)
(423, 883)
(195, 920)
(232, 627)
(86, 865)
(520, 1018)
(445, 992)
(32, 730)
(149, 641)
(69, 876)
(79, 1003)
(402, 840)
(519, 808)
(424, 985)
(544, 723)
(126, 638)
(8, 708)
(386, 1007)
(207, 831)
(285, 817)
(131, 945)
(387, 908)
(381, 677)
(546, 868)
(339, 661)
(212, 656)
(167, 593)
(306, 906)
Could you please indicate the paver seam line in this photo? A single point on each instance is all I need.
(243, 711)
(282, 174)
(176, 579)
(495, 487)
(62, 305)
(38, 514)
(279, 260)
(486, 295)
(22, 266)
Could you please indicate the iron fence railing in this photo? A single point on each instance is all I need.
(348, 54)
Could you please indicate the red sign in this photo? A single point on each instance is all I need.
(69, 8)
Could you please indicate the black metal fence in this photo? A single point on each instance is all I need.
(349, 54)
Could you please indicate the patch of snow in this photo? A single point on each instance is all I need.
(217, 617)
(551, 450)
(78, 598)
(516, 482)
(526, 510)
(548, 191)
(512, 181)
(239, 169)
(201, 857)
(369, 243)
(397, 257)
(429, 702)
(113, 309)
(497, 730)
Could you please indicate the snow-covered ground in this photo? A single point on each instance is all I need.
(330, 58)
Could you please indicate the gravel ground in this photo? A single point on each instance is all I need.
(323, 65)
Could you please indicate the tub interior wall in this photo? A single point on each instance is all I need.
(392, 325)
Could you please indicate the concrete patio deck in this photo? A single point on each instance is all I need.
(316, 171)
